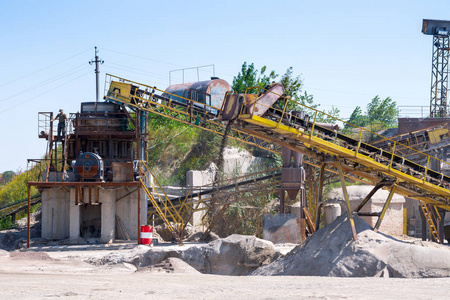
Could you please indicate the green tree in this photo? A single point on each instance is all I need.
(382, 112)
(7, 176)
(293, 84)
(331, 115)
(357, 118)
(248, 77)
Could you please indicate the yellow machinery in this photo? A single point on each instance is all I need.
(348, 156)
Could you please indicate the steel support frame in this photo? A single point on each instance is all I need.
(381, 214)
(439, 77)
(385, 207)
(337, 164)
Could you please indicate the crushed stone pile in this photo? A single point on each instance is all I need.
(170, 265)
(234, 255)
(13, 239)
(331, 251)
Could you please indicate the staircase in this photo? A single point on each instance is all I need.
(429, 217)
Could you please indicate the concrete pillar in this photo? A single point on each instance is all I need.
(127, 211)
(74, 217)
(46, 219)
(55, 214)
(196, 179)
(108, 199)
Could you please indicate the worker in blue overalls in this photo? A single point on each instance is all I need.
(62, 118)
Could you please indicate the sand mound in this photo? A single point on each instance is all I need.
(13, 239)
(16, 255)
(331, 251)
(234, 255)
(170, 265)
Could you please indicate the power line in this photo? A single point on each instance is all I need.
(137, 79)
(141, 57)
(360, 94)
(140, 71)
(51, 90)
(37, 71)
(60, 76)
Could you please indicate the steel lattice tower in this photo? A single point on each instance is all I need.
(439, 72)
(439, 77)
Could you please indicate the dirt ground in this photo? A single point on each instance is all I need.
(51, 274)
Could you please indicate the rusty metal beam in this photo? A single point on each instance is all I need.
(319, 194)
(29, 218)
(139, 215)
(386, 205)
(347, 200)
(379, 185)
(82, 184)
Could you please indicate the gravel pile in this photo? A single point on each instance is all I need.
(331, 251)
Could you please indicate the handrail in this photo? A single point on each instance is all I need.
(175, 110)
(168, 206)
(284, 115)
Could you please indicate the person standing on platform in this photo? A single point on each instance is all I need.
(62, 117)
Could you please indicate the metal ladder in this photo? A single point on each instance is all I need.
(429, 217)
(65, 151)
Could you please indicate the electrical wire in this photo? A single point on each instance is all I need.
(360, 94)
(144, 79)
(139, 70)
(137, 56)
(45, 82)
(37, 71)
(51, 90)
(155, 60)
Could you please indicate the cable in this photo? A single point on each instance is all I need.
(57, 77)
(139, 70)
(137, 79)
(137, 56)
(45, 68)
(361, 94)
(44, 93)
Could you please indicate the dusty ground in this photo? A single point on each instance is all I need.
(48, 274)
(99, 272)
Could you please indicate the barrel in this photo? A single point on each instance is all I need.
(146, 235)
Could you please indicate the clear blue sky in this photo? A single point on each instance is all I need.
(346, 51)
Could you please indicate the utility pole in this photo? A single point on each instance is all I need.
(97, 61)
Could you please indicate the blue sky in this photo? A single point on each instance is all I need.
(347, 52)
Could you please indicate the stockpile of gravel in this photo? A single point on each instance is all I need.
(331, 251)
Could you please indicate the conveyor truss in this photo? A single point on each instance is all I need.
(212, 199)
(347, 155)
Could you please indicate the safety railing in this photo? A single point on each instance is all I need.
(97, 123)
(285, 113)
(188, 111)
(140, 92)
(164, 207)
(214, 198)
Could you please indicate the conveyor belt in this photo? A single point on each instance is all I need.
(357, 157)
(156, 101)
(17, 206)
